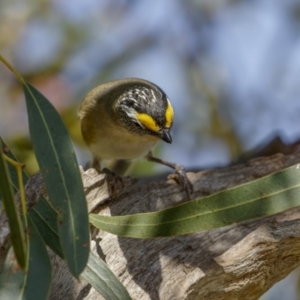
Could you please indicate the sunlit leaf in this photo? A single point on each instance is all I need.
(103, 279)
(266, 196)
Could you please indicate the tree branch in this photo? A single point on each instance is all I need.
(234, 262)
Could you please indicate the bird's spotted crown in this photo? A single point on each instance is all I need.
(140, 96)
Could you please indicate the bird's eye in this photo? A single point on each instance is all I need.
(136, 124)
(129, 103)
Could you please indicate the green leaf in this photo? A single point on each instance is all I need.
(12, 169)
(103, 279)
(96, 272)
(43, 215)
(58, 165)
(15, 284)
(39, 269)
(266, 196)
(17, 234)
(45, 219)
(11, 278)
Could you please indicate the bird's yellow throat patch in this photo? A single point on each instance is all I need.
(147, 121)
(169, 115)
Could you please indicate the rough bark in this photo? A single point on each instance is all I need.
(241, 261)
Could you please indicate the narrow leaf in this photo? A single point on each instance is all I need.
(12, 169)
(15, 225)
(45, 219)
(43, 215)
(103, 279)
(11, 278)
(58, 165)
(96, 272)
(15, 284)
(39, 265)
(39, 268)
(266, 196)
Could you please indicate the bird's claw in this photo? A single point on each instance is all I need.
(180, 177)
(115, 182)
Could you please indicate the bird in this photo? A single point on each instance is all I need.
(124, 119)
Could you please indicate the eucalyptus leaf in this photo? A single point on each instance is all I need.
(15, 284)
(52, 141)
(12, 169)
(16, 227)
(43, 215)
(96, 272)
(104, 280)
(45, 219)
(11, 278)
(266, 196)
(39, 268)
(57, 161)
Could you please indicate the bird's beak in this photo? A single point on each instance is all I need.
(166, 136)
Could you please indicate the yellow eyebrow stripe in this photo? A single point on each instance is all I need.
(147, 121)
(169, 115)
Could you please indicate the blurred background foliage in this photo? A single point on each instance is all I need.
(230, 67)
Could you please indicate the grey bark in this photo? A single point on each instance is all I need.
(241, 261)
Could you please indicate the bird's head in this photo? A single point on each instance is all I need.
(146, 110)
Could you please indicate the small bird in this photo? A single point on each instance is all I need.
(124, 119)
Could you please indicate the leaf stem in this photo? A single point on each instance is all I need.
(12, 69)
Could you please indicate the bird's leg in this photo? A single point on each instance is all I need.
(120, 166)
(114, 180)
(96, 164)
(179, 173)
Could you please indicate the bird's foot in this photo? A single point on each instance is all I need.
(115, 182)
(181, 178)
